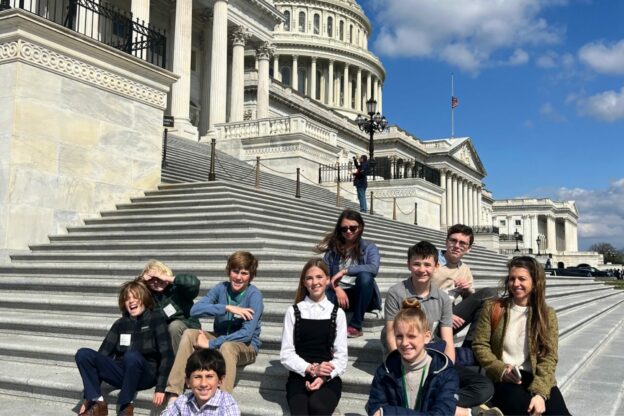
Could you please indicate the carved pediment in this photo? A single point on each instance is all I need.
(466, 154)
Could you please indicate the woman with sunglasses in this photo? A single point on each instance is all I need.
(353, 264)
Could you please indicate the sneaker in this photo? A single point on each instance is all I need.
(99, 408)
(485, 410)
(354, 332)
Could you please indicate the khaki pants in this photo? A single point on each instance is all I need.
(234, 354)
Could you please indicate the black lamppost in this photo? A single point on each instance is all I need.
(539, 241)
(375, 122)
(517, 237)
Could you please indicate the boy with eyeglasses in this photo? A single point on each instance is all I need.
(455, 278)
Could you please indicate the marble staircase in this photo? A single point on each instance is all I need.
(62, 295)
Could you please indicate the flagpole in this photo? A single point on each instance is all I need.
(452, 107)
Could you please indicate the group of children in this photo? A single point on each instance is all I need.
(420, 374)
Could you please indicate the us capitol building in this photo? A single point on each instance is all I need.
(282, 80)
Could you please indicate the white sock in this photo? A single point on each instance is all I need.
(99, 399)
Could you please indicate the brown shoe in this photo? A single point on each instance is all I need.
(127, 411)
(99, 408)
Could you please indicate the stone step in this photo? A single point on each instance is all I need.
(590, 362)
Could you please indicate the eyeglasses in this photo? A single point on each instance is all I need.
(351, 228)
(454, 242)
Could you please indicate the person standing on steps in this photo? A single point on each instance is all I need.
(360, 181)
(353, 264)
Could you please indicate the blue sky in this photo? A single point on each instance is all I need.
(540, 85)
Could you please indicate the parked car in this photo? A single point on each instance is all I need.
(594, 271)
(569, 271)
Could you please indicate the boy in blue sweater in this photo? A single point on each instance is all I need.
(236, 306)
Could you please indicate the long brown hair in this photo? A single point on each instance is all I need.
(301, 289)
(335, 241)
(537, 301)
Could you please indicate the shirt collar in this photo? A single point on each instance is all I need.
(442, 261)
(212, 402)
(322, 305)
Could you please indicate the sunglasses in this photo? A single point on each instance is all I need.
(350, 228)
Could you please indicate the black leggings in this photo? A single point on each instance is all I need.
(319, 402)
(514, 399)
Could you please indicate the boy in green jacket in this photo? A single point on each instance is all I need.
(174, 295)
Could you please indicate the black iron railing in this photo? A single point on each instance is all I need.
(485, 229)
(338, 172)
(510, 237)
(385, 168)
(100, 21)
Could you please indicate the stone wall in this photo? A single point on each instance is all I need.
(82, 130)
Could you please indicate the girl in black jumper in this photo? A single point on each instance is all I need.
(314, 345)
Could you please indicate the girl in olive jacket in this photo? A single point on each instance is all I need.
(518, 335)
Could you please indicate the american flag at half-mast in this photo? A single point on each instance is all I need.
(454, 102)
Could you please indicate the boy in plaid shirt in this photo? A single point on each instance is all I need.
(205, 370)
(135, 355)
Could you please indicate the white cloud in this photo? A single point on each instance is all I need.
(601, 212)
(552, 59)
(606, 106)
(551, 113)
(604, 58)
(466, 34)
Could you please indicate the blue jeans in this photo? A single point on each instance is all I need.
(361, 194)
(360, 297)
(131, 373)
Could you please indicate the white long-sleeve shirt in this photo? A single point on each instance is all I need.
(314, 310)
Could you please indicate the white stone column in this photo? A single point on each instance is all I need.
(345, 87)
(140, 10)
(369, 85)
(449, 199)
(526, 231)
(206, 43)
(535, 232)
(461, 202)
(294, 82)
(475, 204)
(313, 79)
(330, 83)
(237, 89)
(380, 99)
(358, 90)
(218, 69)
(263, 55)
(469, 199)
(276, 72)
(443, 199)
(181, 89)
(551, 234)
(376, 89)
(455, 200)
(571, 238)
(479, 219)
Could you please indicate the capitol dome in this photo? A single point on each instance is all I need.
(321, 51)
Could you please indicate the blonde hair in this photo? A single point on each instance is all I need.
(301, 289)
(158, 265)
(412, 314)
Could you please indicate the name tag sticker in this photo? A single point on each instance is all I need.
(169, 310)
(124, 340)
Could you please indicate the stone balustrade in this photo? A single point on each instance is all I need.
(296, 124)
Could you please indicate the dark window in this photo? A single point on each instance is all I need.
(317, 24)
(287, 22)
(302, 22)
(330, 27)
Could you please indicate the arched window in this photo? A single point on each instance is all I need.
(341, 30)
(302, 80)
(302, 23)
(285, 71)
(287, 22)
(350, 33)
(330, 27)
(317, 24)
